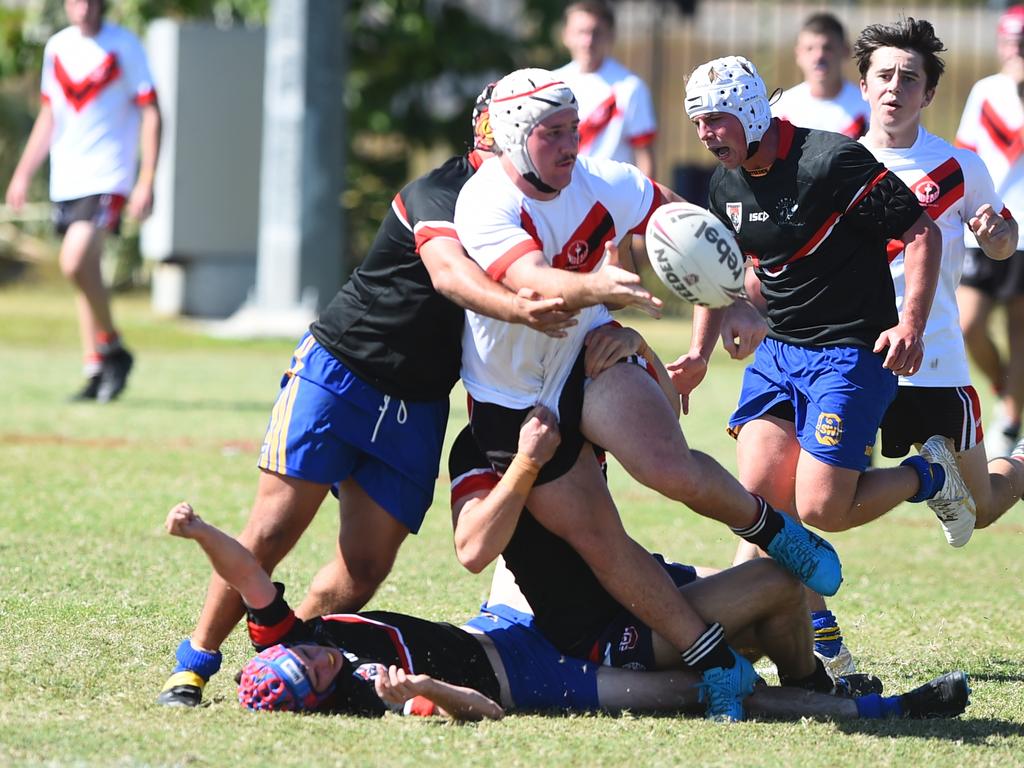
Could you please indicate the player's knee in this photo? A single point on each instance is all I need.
(676, 477)
(824, 519)
(974, 329)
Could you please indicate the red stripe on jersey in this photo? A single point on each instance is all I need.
(584, 247)
(476, 158)
(642, 139)
(941, 188)
(425, 233)
(262, 634)
(472, 482)
(964, 145)
(894, 248)
(1006, 139)
(826, 229)
(656, 202)
(393, 633)
(498, 269)
(398, 206)
(597, 121)
(146, 97)
(786, 132)
(526, 222)
(972, 394)
(857, 128)
(80, 92)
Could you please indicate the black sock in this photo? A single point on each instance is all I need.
(709, 650)
(818, 681)
(768, 523)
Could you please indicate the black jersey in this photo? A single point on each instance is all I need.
(816, 227)
(570, 606)
(368, 638)
(387, 323)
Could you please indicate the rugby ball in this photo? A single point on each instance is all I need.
(695, 255)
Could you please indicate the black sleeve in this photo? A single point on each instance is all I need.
(432, 197)
(881, 203)
(465, 454)
(356, 693)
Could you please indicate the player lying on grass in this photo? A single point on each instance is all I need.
(375, 661)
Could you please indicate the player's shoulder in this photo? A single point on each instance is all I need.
(62, 39)
(604, 171)
(615, 71)
(114, 35)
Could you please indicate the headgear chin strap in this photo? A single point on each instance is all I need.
(276, 680)
(520, 101)
(731, 85)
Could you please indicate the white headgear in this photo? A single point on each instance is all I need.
(519, 102)
(731, 85)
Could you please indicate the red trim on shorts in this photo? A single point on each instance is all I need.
(271, 634)
(498, 268)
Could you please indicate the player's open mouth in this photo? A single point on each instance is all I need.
(720, 152)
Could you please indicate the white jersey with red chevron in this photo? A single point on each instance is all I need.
(951, 184)
(848, 113)
(616, 111)
(95, 86)
(993, 126)
(513, 365)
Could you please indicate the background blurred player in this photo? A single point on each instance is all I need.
(100, 124)
(991, 125)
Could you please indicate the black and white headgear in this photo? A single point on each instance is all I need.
(731, 85)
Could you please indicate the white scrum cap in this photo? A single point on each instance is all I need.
(519, 102)
(731, 85)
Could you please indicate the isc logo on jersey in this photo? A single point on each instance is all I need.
(695, 255)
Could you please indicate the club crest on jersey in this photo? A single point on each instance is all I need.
(735, 213)
(576, 252)
(785, 210)
(829, 429)
(927, 191)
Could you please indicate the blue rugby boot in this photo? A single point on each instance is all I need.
(807, 556)
(724, 689)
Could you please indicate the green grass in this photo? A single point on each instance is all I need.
(94, 598)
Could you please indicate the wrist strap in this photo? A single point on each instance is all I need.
(520, 475)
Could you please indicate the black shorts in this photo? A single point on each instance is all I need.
(917, 413)
(496, 428)
(999, 280)
(627, 642)
(104, 211)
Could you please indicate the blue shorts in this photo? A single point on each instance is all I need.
(539, 676)
(627, 642)
(328, 425)
(839, 395)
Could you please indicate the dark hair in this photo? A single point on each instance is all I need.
(909, 34)
(599, 8)
(824, 24)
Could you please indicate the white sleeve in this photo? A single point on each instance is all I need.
(630, 194)
(48, 82)
(136, 69)
(490, 228)
(978, 186)
(640, 121)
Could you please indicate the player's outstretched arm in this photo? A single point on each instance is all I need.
(460, 280)
(485, 521)
(36, 150)
(395, 687)
(688, 371)
(922, 257)
(232, 562)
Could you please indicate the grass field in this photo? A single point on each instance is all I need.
(94, 597)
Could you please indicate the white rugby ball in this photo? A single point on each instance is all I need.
(695, 255)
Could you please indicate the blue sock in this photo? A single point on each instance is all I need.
(931, 476)
(190, 659)
(875, 706)
(827, 637)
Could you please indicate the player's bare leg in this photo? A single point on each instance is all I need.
(368, 541)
